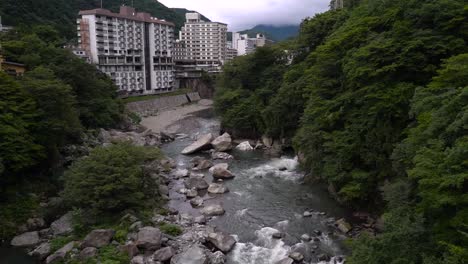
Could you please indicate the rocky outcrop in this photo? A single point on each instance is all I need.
(98, 238)
(222, 241)
(60, 254)
(217, 188)
(42, 251)
(149, 238)
(28, 239)
(63, 225)
(202, 143)
(222, 143)
(193, 255)
(213, 210)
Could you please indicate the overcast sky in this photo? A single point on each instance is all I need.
(244, 14)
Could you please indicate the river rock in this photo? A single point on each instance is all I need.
(343, 226)
(267, 141)
(323, 257)
(203, 165)
(28, 239)
(130, 249)
(168, 164)
(217, 188)
(63, 225)
(60, 254)
(149, 238)
(87, 253)
(98, 238)
(245, 146)
(197, 201)
(307, 214)
(191, 193)
(217, 258)
(196, 183)
(220, 171)
(164, 254)
(138, 260)
(222, 241)
(296, 256)
(286, 261)
(213, 210)
(42, 251)
(222, 143)
(201, 219)
(221, 156)
(202, 143)
(181, 173)
(305, 237)
(35, 224)
(192, 255)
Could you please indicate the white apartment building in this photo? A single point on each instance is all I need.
(246, 45)
(133, 48)
(205, 41)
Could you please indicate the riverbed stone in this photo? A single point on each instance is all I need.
(98, 238)
(245, 146)
(221, 156)
(199, 163)
(130, 249)
(222, 241)
(163, 254)
(87, 253)
(343, 226)
(220, 171)
(28, 239)
(201, 219)
(149, 238)
(138, 260)
(191, 193)
(213, 210)
(63, 225)
(307, 214)
(197, 201)
(196, 183)
(202, 143)
(217, 258)
(42, 251)
(222, 143)
(217, 188)
(285, 261)
(193, 255)
(296, 256)
(34, 224)
(60, 254)
(305, 237)
(181, 173)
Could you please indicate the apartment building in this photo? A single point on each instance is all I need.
(133, 48)
(205, 41)
(230, 54)
(246, 45)
(336, 4)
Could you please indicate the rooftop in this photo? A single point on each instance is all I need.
(126, 12)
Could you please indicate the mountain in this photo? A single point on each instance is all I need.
(62, 14)
(183, 11)
(276, 33)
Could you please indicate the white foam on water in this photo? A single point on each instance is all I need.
(284, 168)
(265, 250)
(241, 212)
(282, 225)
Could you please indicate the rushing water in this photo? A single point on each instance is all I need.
(267, 196)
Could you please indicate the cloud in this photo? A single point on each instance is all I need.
(244, 14)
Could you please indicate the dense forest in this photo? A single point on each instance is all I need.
(375, 99)
(62, 14)
(275, 33)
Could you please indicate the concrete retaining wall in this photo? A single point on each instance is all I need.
(153, 106)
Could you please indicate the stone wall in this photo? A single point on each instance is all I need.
(153, 106)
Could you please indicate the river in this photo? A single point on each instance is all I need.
(267, 196)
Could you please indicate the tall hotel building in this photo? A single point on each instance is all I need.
(205, 41)
(133, 48)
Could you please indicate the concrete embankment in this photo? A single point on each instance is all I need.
(154, 106)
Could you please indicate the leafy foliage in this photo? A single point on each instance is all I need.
(375, 98)
(111, 179)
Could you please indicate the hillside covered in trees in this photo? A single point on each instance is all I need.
(375, 100)
(62, 14)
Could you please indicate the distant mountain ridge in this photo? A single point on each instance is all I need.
(276, 33)
(62, 14)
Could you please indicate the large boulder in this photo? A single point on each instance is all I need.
(42, 251)
(245, 146)
(193, 255)
(28, 239)
(202, 143)
(149, 238)
(199, 163)
(196, 183)
(217, 188)
(220, 171)
(222, 241)
(98, 238)
(192, 193)
(213, 210)
(343, 226)
(87, 253)
(130, 249)
(222, 143)
(63, 225)
(60, 254)
(164, 254)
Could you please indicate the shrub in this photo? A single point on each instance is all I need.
(170, 229)
(111, 179)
